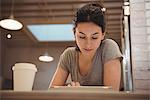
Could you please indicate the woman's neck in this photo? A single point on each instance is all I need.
(85, 63)
(86, 57)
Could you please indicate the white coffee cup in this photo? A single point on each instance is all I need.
(23, 76)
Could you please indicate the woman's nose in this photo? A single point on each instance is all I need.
(88, 43)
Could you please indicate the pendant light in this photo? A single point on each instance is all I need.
(10, 23)
(46, 57)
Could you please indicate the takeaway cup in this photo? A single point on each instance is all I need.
(23, 76)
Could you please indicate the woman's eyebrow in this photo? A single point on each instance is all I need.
(92, 34)
(95, 33)
(82, 33)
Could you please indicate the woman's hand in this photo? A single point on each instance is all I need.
(74, 84)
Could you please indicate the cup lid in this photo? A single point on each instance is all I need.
(25, 66)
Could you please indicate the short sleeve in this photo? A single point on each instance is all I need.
(65, 60)
(110, 50)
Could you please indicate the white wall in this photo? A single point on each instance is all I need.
(140, 42)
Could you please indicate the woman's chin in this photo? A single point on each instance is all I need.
(87, 52)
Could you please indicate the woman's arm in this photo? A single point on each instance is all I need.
(112, 73)
(59, 77)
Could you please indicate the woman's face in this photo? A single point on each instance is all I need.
(88, 37)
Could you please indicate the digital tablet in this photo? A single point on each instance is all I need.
(87, 88)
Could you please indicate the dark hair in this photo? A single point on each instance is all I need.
(92, 12)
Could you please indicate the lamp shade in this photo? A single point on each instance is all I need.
(11, 24)
(46, 58)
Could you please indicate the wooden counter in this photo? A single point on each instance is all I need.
(72, 94)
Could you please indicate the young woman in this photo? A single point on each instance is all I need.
(95, 61)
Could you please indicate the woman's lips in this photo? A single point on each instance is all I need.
(88, 49)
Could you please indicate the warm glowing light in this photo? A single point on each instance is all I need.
(46, 58)
(8, 36)
(11, 24)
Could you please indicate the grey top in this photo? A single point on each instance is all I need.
(69, 62)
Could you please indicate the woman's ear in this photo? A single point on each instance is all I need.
(103, 36)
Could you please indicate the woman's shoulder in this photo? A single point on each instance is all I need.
(109, 42)
(110, 50)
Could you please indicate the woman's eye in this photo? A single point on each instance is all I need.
(94, 37)
(82, 37)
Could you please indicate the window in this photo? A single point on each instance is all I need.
(52, 32)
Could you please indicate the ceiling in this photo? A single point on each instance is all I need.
(56, 11)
